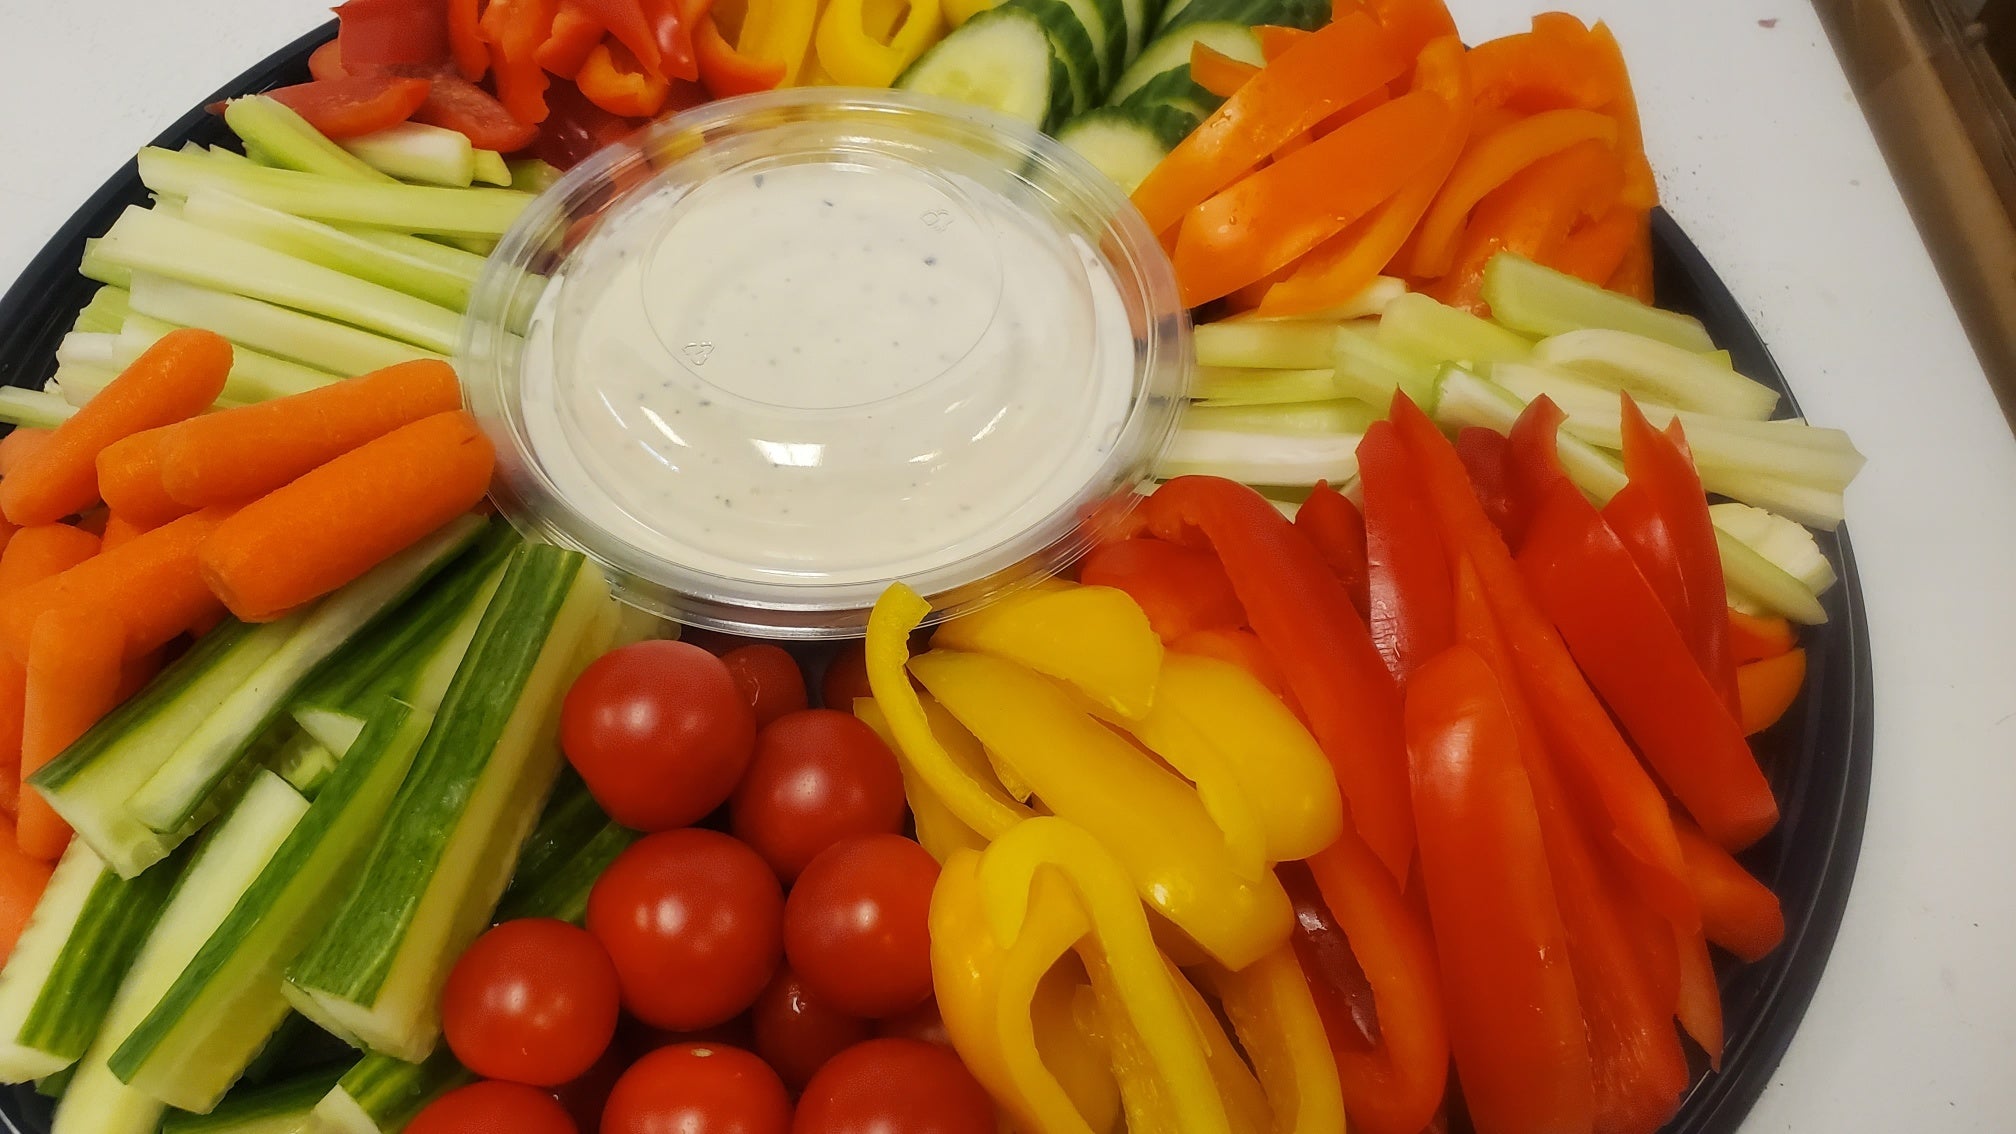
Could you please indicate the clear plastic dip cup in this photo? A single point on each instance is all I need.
(772, 354)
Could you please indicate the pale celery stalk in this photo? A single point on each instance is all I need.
(289, 142)
(1338, 415)
(94, 266)
(1658, 372)
(491, 169)
(106, 311)
(1265, 345)
(453, 261)
(86, 349)
(1539, 301)
(412, 151)
(480, 213)
(320, 343)
(1370, 370)
(1791, 547)
(255, 377)
(79, 384)
(530, 175)
(1247, 386)
(1261, 458)
(35, 409)
(1417, 325)
(330, 247)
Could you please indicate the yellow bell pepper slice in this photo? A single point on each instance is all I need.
(939, 830)
(1246, 1105)
(779, 31)
(1094, 638)
(851, 54)
(976, 800)
(1076, 1054)
(1270, 1008)
(959, 11)
(1148, 818)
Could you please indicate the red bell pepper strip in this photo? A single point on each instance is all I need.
(1181, 589)
(353, 106)
(1304, 616)
(575, 34)
(1336, 527)
(1738, 912)
(675, 24)
(1532, 465)
(1583, 577)
(613, 80)
(514, 30)
(1767, 688)
(1516, 1026)
(465, 39)
(1483, 453)
(1332, 68)
(1754, 637)
(1411, 617)
(376, 33)
(454, 103)
(1575, 725)
(1393, 1061)
(1242, 648)
(326, 61)
(1700, 1003)
(1639, 1068)
(628, 25)
(725, 71)
(1661, 514)
(1218, 72)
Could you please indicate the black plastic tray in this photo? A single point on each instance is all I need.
(1818, 757)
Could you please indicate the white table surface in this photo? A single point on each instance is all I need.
(1764, 158)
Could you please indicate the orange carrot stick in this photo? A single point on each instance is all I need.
(1756, 637)
(21, 441)
(74, 655)
(302, 541)
(22, 880)
(129, 479)
(118, 531)
(13, 692)
(151, 582)
(1767, 688)
(177, 377)
(242, 454)
(36, 553)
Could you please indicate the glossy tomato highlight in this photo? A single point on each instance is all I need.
(769, 679)
(660, 733)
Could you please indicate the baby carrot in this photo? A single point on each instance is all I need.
(129, 479)
(150, 581)
(326, 528)
(36, 553)
(15, 447)
(177, 377)
(74, 656)
(118, 530)
(13, 688)
(244, 453)
(22, 880)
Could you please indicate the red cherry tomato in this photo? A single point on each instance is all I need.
(693, 921)
(894, 1086)
(856, 925)
(920, 1023)
(818, 777)
(694, 1088)
(355, 104)
(659, 732)
(769, 679)
(846, 678)
(531, 1001)
(796, 1032)
(492, 1108)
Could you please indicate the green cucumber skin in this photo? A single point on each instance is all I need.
(353, 959)
(564, 893)
(329, 839)
(53, 1086)
(571, 819)
(393, 1092)
(282, 1106)
(113, 925)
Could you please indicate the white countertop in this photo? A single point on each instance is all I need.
(1765, 160)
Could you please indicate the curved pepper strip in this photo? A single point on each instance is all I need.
(1738, 912)
(1271, 1010)
(854, 56)
(939, 831)
(1411, 617)
(1217, 72)
(780, 31)
(1180, 589)
(1247, 1109)
(1593, 252)
(612, 79)
(1159, 1058)
(978, 803)
(1080, 768)
(515, 29)
(1641, 192)
(1304, 616)
(1096, 639)
(1490, 160)
(726, 72)
(1530, 215)
(574, 37)
(1243, 649)
(1337, 528)
(1558, 65)
(1219, 787)
(1071, 1036)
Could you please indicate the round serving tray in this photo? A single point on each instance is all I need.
(1818, 757)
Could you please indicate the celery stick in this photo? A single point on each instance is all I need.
(1760, 586)
(1809, 504)
(1370, 370)
(1244, 386)
(431, 209)
(255, 377)
(330, 247)
(1540, 301)
(87, 350)
(1658, 372)
(79, 384)
(1417, 325)
(530, 175)
(491, 168)
(1287, 345)
(411, 151)
(228, 157)
(453, 261)
(147, 242)
(1721, 358)
(1371, 301)
(335, 347)
(1261, 458)
(95, 267)
(1339, 415)
(1783, 542)
(106, 311)
(289, 142)
(33, 408)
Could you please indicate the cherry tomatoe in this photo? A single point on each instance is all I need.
(659, 732)
(769, 679)
(797, 1032)
(697, 1088)
(492, 1107)
(693, 920)
(856, 927)
(531, 1001)
(818, 776)
(846, 678)
(894, 1086)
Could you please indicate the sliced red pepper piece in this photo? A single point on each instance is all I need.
(575, 35)
(326, 61)
(356, 105)
(1181, 589)
(1241, 648)
(675, 24)
(1483, 453)
(1393, 1061)
(1303, 614)
(1584, 578)
(1532, 465)
(725, 71)
(465, 39)
(1411, 617)
(1700, 1006)
(1639, 1068)
(628, 25)
(1600, 767)
(1334, 67)
(1754, 637)
(514, 30)
(1738, 912)
(1661, 514)
(1516, 1025)
(1218, 72)
(457, 104)
(376, 33)
(1336, 527)
(613, 80)
(1767, 688)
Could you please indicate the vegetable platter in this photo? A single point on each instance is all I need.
(256, 917)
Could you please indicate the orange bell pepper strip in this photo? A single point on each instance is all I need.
(575, 34)
(1264, 222)
(1634, 276)
(1337, 528)
(1411, 618)
(725, 71)
(1599, 764)
(514, 30)
(1180, 589)
(1530, 216)
(1754, 637)
(1413, 24)
(1594, 251)
(465, 39)
(1640, 190)
(1767, 688)
(1342, 266)
(1738, 912)
(1490, 160)
(629, 25)
(613, 79)
(1276, 40)
(1558, 65)
(1218, 72)
(1334, 67)
(1700, 1001)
